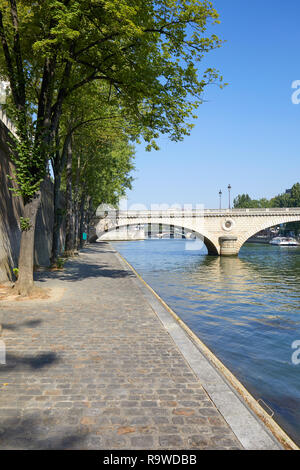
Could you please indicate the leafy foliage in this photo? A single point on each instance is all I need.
(243, 201)
(27, 176)
(147, 51)
(25, 224)
(16, 272)
(291, 199)
(287, 199)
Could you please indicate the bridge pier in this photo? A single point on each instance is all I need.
(228, 245)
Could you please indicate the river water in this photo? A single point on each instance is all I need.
(245, 309)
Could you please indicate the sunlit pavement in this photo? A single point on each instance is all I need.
(97, 369)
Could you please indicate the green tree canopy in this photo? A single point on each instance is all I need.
(290, 199)
(244, 201)
(146, 51)
(287, 199)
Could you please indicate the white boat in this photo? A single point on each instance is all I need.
(284, 241)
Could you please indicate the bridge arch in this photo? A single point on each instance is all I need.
(211, 246)
(259, 226)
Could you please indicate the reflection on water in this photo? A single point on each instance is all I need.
(245, 309)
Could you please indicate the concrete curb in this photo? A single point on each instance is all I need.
(253, 427)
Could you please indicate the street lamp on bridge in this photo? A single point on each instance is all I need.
(220, 196)
(229, 188)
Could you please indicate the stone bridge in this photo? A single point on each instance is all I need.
(223, 231)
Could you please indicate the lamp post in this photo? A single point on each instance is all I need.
(229, 188)
(220, 196)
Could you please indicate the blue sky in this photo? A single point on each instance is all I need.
(247, 134)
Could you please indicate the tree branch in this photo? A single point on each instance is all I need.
(18, 54)
(8, 61)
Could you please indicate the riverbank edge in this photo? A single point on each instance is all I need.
(270, 426)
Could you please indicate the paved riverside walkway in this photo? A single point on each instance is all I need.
(98, 370)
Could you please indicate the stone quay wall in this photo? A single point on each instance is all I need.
(11, 209)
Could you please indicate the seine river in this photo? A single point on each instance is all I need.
(245, 309)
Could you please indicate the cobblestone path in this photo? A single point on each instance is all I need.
(97, 369)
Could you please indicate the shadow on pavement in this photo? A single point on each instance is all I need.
(25, 324)
(27, 434)
(14, 362)
(79, 268)
(77, 271)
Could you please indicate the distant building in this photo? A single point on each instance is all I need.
(288, 191)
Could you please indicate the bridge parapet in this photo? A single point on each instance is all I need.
(199, 213)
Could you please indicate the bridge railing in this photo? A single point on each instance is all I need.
(171, 213)
(267, 210)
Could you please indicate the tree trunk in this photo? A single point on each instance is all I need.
(76, 206)
(58, 164)
(24, 285)
(89, 216)
(69, 243)
(57, 220)
(82, 221)
(76, 226)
